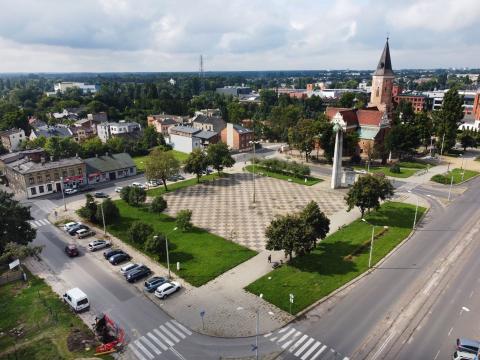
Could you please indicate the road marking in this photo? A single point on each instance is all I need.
(154, 338)
(287, 343)
(286, 335)
(284, 329)
(311, 350)
(185, 330)
(144, 349)
(164, 338)
(438, 353)
(322, 349)
(33, 225)
(465, 309)
(450, 331)
(176, 330)
(346, 358)
(471, 294)
(136, 352)
(38, 223)
(166, 331)
(180, 356)
(294, 346)
(149, 343)
(302, 349)
(387, 340)
(267, 335)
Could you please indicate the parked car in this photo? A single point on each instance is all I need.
(71, 250)
(109, 253)
(153, 283)
(138, 273)
(73, 229)
(172, 178)
(77, 300)
(128, 267)
(462, 355)
(118, 189)
(83, 233)
(152, 183)
(137, 184)
(70, 191)
(467, 345)
(167, 289)
(180, 177)
(100, 194)
(119, 258)
(98, 245)
(68, 225)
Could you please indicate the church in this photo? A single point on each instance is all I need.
(372, 123)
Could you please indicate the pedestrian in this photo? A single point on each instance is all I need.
(270, 258)
(56, 214)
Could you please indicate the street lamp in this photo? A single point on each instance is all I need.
(257, 326)
(416, 211)
(166, 246)
(371, 243)
(103, 218)
(463, 170)
(254, 143)
(63, 194)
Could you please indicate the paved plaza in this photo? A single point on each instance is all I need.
(224, 206)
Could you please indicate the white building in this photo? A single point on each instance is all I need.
(106, 130)
(63, 86)
(187, 138)
(437, 99)
(11, 139)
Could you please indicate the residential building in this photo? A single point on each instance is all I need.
(163, 122)
(187, 138)
(419, 102)
(108, 130)
(30, 176)
(98, 117)
(11, 139)
(63, 86)
(48, 131)
(82, 133)
(472, 121)
(237, 137)
(109, 167)
(234, 90)
(208, 123)
(436, 99)
(209, 112)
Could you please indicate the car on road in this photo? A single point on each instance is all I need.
(73, 229)
(153, 283)
(109, 253)
(83, 233)
(119, 258)
(138, 273)
(167, 289)
(118, 189)
(128, 267)
(71, 250)
(98, 245)
(467, 345)
(68, 225)
(137, 184)
(462, 355)
(100, 194)
(70, 191)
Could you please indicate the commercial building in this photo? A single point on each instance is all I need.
(11, 139)
(437, 99)
(187, 138)
(63, 86)
(109, 167)
(108, 130)
(237, 137)
(234, 90)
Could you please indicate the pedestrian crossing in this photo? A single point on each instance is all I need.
(302, 346)
(46, 205)
(160, 339)
(38, 223)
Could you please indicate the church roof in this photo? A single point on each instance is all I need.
(384, 66)
(369, 117)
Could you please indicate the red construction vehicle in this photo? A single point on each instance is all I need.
(110, 334)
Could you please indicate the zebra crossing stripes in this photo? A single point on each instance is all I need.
(162, 338)
(301, 345)
(38, 223)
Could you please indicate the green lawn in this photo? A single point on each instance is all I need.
(159, 190)
(404, 171)
(413, 165)
(260, 170)
(45, 319)
(202, 255)
(140, 160)
(457, 176)
(338, 259)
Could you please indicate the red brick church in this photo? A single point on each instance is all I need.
(373, 122)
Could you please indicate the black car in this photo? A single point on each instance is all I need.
(118, 258)
(138, 273)
(153, 283)
(71, 250)
(100, 194)
(107, 254)
(73, 230)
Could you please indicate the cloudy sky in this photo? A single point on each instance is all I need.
(163, 35)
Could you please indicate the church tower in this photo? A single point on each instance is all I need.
(382, 83)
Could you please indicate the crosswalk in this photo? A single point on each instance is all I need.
(38, 223)
(162, 338)
(46, 205)
(302, 346)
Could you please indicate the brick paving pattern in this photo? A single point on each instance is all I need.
(224, 207)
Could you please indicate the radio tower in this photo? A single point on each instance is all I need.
(201, 75)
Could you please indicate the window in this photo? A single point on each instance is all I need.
(47, 177)
(39, 178)
(55, 176)
(64, 173)
(72, 172)
(41, 189)
(49, 187)
(33, 191)
(31, 180)
(79, 171)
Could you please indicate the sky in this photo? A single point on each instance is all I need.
(163, 35)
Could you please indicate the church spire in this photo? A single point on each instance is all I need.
(384, 66)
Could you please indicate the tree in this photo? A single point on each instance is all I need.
(156, 246)
(14, 225)
(219, 156)
(139, 232)
(136, 196)
(302, 136)
(184, 218)
(367, 192)
(15, 251)
(110, 212)
(92, 147)
(448, 118)
(161, 164)
(313, 216)
(347, 100)
(89, 211)
(402, 139)
(467, 140)
(196, 163)
(158, 204)
(125, 193)
(150, 137)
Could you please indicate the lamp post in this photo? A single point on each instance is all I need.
(416, 211)
(450, 189)
(254, 143)
(63, 194)
(166, 247)
(103, 218)
(257, 327)
(371, 244)
(463, 170)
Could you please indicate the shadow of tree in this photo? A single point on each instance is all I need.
(401, 217)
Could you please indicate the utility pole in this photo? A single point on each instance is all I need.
(63, 194)
(103, 218)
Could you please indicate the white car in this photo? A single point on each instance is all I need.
(137, 184)
(167, 289)
(83, 233)
(70, 191)
(126, 268)
(69, 225)
(118, 189)
(98, 245)
(462, 355)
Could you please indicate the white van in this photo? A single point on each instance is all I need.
(77, 300)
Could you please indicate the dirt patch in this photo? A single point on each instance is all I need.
(79, 340)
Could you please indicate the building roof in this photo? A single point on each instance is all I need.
(357, 117)
(206, 135)
(169, 121)
(241, 130)
(349, 115)
(50, 131)
(384, 66)
(217, 122)
(24, 166)
(369, 117)
(185, 129)
(110, 162)
(368, 133)
(10, 132)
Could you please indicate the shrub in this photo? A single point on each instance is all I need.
(110, 212)
(158, 204)
(395, 169)
(125, 194)
(88, 211)
(184, 218)
(155, 245)
(442, 179)
(136, 196)
(139, 232)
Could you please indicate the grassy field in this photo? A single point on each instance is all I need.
(260, 170)
(404, 171)
(202, 255)
(140, 160)
(46, 321)
(338, 259)
(457, 176)
(413, 165)
(159, 190)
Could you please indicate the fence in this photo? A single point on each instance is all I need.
(11, 276)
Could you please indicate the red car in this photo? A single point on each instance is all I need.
(71, 250)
